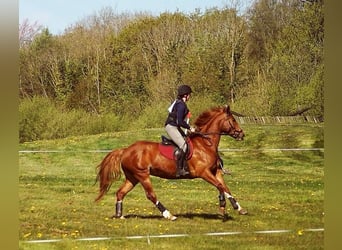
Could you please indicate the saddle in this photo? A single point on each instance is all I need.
(168, 148)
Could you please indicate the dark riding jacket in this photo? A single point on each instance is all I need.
(177, 115)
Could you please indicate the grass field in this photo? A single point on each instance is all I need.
(281, 189)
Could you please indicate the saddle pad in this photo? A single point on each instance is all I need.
(168, 150)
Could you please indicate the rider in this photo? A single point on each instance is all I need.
(174, 124)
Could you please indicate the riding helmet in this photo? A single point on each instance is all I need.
(184, 90)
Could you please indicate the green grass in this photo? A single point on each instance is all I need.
(280, 190)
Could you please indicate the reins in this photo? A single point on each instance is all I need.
(213, 133)
(206, 135)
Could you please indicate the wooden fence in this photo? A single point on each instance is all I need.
(277, 119)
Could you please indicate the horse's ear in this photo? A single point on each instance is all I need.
(227, 108)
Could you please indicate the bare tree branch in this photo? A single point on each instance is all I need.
(27, 31)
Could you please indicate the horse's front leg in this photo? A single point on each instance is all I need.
(222, 202)
(226, 193)
(235, 204)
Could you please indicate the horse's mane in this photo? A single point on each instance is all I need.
(206, 116)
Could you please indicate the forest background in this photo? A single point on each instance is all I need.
(111, 72)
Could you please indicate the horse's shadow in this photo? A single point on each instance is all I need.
(190, 216)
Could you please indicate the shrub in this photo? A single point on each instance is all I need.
(40, 118)
(34, 114)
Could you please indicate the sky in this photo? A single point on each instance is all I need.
(57, 15)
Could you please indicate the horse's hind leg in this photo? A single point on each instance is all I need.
(147, 185)
(127, 186)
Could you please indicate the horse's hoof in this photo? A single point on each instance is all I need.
(169, 216)
(243, 211)
(222, 211)
(173, 218)
(118, 217)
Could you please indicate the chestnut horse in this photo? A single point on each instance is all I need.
(142, 159)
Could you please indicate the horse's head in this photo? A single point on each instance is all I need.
(230, 126)
(219, 121)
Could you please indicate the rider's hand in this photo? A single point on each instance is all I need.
(192, 129)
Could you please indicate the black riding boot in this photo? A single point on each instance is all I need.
(182, 164)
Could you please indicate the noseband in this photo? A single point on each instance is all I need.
(235, 133)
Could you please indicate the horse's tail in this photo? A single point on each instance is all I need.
(108, 171)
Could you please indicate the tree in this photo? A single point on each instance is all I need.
(268, 62)
(39, 66)
(28, 31)
(164, 42)
(297, 61)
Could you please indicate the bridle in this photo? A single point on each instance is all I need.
(235, 133)
(231, 127)
(207, 137)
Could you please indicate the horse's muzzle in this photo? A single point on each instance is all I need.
(239, 135)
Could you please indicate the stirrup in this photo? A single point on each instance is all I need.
(181, 172)
(184, 170)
